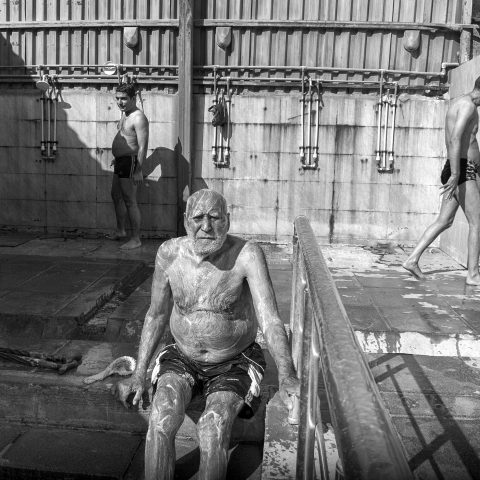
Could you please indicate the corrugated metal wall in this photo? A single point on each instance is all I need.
(65, 40)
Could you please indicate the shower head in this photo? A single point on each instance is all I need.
(43, 84)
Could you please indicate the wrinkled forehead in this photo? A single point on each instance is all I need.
(206, 201)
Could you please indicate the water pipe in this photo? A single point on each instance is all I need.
(317, 126)
(229, 110)
(49, 122)
(302, 102)
(393, 104)
(379, 121)
(42, 115)
(385, 131)
(309, 131)
(215, 101)
(221, 160)
(55, 99)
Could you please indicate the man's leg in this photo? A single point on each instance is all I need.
(443, 221)
(120, 209)
(129, 192)
(214, 429)
(171, 398)
(469, 198)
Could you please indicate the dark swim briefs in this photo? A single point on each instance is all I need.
(468, 171)
(241, 375)
(124, 166)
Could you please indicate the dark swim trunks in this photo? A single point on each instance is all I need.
(241, 375)
(124, 166)
(468, 171)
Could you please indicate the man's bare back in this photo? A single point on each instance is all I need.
(213, 318)
(462, 121)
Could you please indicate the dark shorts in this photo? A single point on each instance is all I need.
(468, 171)
(124, 166)
(241, 375)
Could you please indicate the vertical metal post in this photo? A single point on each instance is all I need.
(305, 446)
(183, 148)
(466, 35)
(297, 310)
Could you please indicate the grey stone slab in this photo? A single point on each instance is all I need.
(65, 278)
(9, 434)
(22, 304)
(74, 452)
(471, 318)
(425, 374)
(366, 318)
(13, 240)
(134, 306)
(414, 318)
(381, 280)
(87, 300)
(436, 450)
(394, 297)
(355, 297)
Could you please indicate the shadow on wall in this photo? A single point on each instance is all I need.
(70, 193)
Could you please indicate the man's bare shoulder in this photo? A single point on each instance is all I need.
(170, 250)
(139, 118)
(461, 104)
(251, 252)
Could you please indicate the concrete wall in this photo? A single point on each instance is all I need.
(73, 191)
(346, 199)
(265, 186)
(454, 240)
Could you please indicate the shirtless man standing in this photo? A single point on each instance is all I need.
(220, 286)
(459, 186)
(129, 149)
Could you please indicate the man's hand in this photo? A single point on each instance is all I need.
(137, 176)
(112, 163)
(450, 187)
(289, 387)
(123, 389)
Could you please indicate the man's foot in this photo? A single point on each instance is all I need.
(473, 279)
(117, 235)
(131, 244)
(414, 269)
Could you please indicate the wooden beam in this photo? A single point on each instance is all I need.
(334, 25)
(183, 147)
(49, 25)
(285, 24)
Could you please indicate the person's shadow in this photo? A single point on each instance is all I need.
(158, 169)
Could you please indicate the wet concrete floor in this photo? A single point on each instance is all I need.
(68, 295)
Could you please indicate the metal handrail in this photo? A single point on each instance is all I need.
(323, 338)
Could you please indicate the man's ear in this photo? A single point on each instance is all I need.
(228, 222)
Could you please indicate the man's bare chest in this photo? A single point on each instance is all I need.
(208, 286)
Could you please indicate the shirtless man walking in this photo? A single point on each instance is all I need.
(221, 292)
(459, 186)
(129, 149)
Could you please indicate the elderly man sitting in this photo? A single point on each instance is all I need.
(222, 293)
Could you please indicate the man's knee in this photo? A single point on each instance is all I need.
(130, 201)
(212, 425)
(167, 412)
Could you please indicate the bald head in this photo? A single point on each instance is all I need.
(205, 200)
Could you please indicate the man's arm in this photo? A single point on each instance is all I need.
(141, 129)
(156, 320)
(271, 325)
